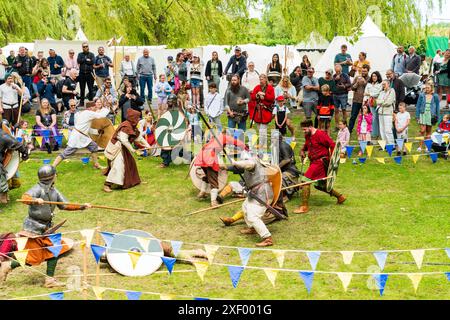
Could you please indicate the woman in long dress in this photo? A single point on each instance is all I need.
(122, 170)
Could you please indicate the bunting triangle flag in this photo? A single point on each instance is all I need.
(176, 246)
(56, 295)
(164, 296)
(398, 159)
(382, 144)
(418, 256)
(144, 242)
(98, 251)
(349, 150)
(211, 252)
(447, 251)
(59, 140)
(288, 140)
(102, 158)
(345, 278)
(419, 138)
(65, 133)
(134, 257)
(415, 157)
(362, 160)
(201, 267)
(133, 295)
(235, 274)
(408, 146)
(271, 275)
(369, 150)
(428, 143)
(313, 257)
(438, 138)
(39, 140)
(446, 138)
(169, 262)
(347, 256)
(98, 291)
(107, 237)
(21, 256)
(244, 254)
(254, 139)
(56, 241)
(363, 145)
(381, 280)
(279, 254)
(307, 278)
(293, 144)
(21, 242)
(88, 234)
(415, 279)
(447, 274)
(434, 157)
(381, 257)
(400, 143)
(342, 160)
(389, 149)
(381, 160)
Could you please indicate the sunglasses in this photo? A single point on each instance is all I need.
(85, 46)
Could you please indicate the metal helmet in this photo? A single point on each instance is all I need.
(5, 122)
(172, 100)
(46, 173)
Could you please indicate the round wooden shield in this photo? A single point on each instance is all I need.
(170, 129)
(275, 178)
(128, 264)
(11, 159)
(333, 166)
(108, 130)
(196, 173)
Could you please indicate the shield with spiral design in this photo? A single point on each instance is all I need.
(170, 129)
(333, 166)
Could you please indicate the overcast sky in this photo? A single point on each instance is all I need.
(434, 16)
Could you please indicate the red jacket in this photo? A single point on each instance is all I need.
(263, 115)
(444, 126)
(318, 145)
(207, 157)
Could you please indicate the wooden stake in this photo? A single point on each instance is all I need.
(97, 269)
(85, 272)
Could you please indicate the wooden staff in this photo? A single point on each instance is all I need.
(93, 206)
(85, 283)
(240, 200)
(285, 60)
(22, 85)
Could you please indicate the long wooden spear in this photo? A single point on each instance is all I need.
(92, 205)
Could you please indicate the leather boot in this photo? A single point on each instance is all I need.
(3, 197)
(51, 282)
(202, 194)
(266, 242)
(227, 221)
(304, 208)
(340, 197)
(107, 188)
(214, 193)
(225, 192)
(248, 231)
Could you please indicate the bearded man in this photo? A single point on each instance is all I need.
(235, 102)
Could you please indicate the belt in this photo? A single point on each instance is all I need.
(81, 132)
(11, 105)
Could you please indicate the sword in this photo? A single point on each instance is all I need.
(254, 196)
(54, 228)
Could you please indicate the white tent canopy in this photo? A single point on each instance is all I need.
(315, 42)
(15, 47)
(80, 36)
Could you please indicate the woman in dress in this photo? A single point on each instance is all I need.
(214, 70)
(427, 112)
(371, 93)
(274, 70)
(443, 77)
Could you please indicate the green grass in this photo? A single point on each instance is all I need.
(389, 207)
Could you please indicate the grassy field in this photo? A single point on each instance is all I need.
(389, 207)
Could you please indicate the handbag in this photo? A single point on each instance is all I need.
(112, 150)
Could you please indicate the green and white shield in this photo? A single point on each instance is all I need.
(170, 129)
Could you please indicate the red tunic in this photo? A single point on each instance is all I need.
(207, 157)
(262, 115)
(319, 145)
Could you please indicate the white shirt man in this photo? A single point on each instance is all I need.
(9, 95)
(250, 79)
(127, 67)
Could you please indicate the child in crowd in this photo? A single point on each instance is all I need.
(364, 128)
(444, 126)
(343, 136)
(325, 109)
(183, 96)
(194, 124)
(214, 106)
(22, 132)
(146, 127)
(402, 120)
(163, 90)
(280, 112)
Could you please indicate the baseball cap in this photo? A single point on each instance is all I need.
(170, 58)
(280, 98)
(237, 48)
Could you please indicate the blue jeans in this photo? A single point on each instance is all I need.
(356, 107)
(146, 80)
(340, 101)
(375, 125)
(27, 82)
(241, 125)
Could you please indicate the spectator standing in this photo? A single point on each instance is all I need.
(371, 93)
(102, 64)
(399, 87)
(86, 61)
(181, 66)
(359, 64)
(398, 64)
(214, 106)
(340, 96)
(235, 103)
(237, 62)
(343, 137)
(364, 127)
(329, 81)
(427, 112)
(402, 120)
(443, 77)
(385, 108)
(128, 69)
(195, 79)
(296, 77)
(9, 100)
(311, 89)
(214, 70)
(288, 92)
(305, 65)
(24, 66)
(325, 109)
(251, 77)
(412, 61)
(358, 87)
(146, 70)
(274, 70)
(56, 64)
(162, 90)
(343, 59)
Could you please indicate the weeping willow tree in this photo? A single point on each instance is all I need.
(175, 23)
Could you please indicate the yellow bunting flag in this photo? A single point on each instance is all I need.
(144, 242)
(293, 144)
(39, 140)
(419, 138)
(345, 278)
(134, 256)
(271, 275)
(211, 252)
(415, 157)
(102, 158)
(98, 291)
(279, 254)
(415, 279)
(342, 160)
(408, 146)
(21, 256)
(418, 256)
(21, 242)
(254, 139)
(380, 160)
(163, 296)
(347, 256)
(446, 138)
(65, 133)
(88, 234)
(382, 143)
(201, 267)
(369, 150)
